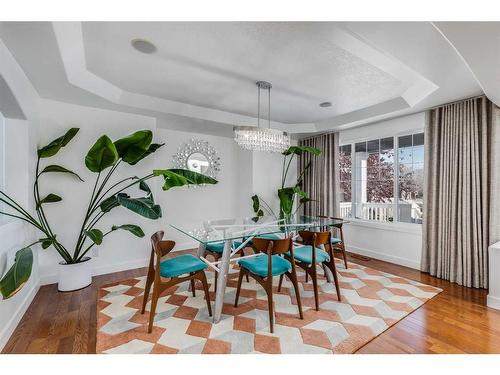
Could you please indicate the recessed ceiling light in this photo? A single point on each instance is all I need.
(325, 104)
(143, 46)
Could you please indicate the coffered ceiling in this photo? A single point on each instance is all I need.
(206, 71)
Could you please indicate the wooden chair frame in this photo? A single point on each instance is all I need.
(315, 239)
(159, 249)
(271, 247)
(339, 246)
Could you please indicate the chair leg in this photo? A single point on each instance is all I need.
(193, 288)
(240, 280)
(203, 278)
(314, 277)
(270, 308)
(280, 283)
(307, 277)
(149, 281)
(333, 269)
(242, 255)
(293, 279)
(344, 256)
(154, 301)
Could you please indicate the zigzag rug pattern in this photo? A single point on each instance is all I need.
(372, 301)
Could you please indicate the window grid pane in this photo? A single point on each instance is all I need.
(367, 179)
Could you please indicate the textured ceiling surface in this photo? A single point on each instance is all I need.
(216, 64)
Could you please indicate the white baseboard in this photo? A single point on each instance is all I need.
(385, 257)
(9, 327)
(101, 270)
(493, 302)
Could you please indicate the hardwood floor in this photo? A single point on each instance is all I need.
(456, 321)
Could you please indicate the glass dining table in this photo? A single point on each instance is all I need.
(237, 233)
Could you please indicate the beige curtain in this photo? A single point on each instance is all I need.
(321, 181)
(457, 191)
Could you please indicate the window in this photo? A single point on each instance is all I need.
(374, 172)
(345, 180)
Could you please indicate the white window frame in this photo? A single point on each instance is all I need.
(396, 224)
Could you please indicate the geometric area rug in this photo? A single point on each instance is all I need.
(372, 301)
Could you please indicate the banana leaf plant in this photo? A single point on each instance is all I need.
(287, 195)
(103, 159)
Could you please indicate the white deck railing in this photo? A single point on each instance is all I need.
(377, 211)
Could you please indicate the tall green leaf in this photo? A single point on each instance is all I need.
(53, 147)
(102, 155)
(286, 196)
(51, 198)
(256, 206)
(299, 150)
(182, 177)
(141, 206)
(46, 242)
(151, 149)
(132, 147)
(95, 235)
(134, 229)
(111, 202)
(144, 187)
(18, 274)
(59, 169)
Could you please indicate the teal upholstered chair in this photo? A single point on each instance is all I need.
(338, 244)
(163, 274)
(310, 255)
(262, 268)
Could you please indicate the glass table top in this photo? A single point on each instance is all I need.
(239, 228)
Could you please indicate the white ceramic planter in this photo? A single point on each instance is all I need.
(75, 276)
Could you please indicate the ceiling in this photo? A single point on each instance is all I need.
(207, 70)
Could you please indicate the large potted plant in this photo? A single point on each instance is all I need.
(103, 159)
(288, 196)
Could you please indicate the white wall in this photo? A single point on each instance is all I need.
(189, 207)
(399, 243)
(18, 162)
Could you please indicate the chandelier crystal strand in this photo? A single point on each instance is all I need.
(261, 139)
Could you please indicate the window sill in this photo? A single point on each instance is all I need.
(396, 227)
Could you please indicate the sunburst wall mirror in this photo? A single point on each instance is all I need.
(198, 155)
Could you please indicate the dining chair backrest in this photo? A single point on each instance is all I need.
(272, 247)
(160, 247)
(315, 238)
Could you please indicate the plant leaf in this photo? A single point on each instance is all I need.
(255, 203)
(47, 242)
(59, 169)
(182, 177)
(102, 155)
(53, 147)
(141, 206)
(299, 150)
(152, 148)
(286, 196)
(18, 274)
(144, 187)
(133, 146)
(51, 198)
(134, 229)
(95, 235)
(109, 203)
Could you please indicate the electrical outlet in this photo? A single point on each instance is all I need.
(95, 252)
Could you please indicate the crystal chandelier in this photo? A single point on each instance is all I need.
(262, 139)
